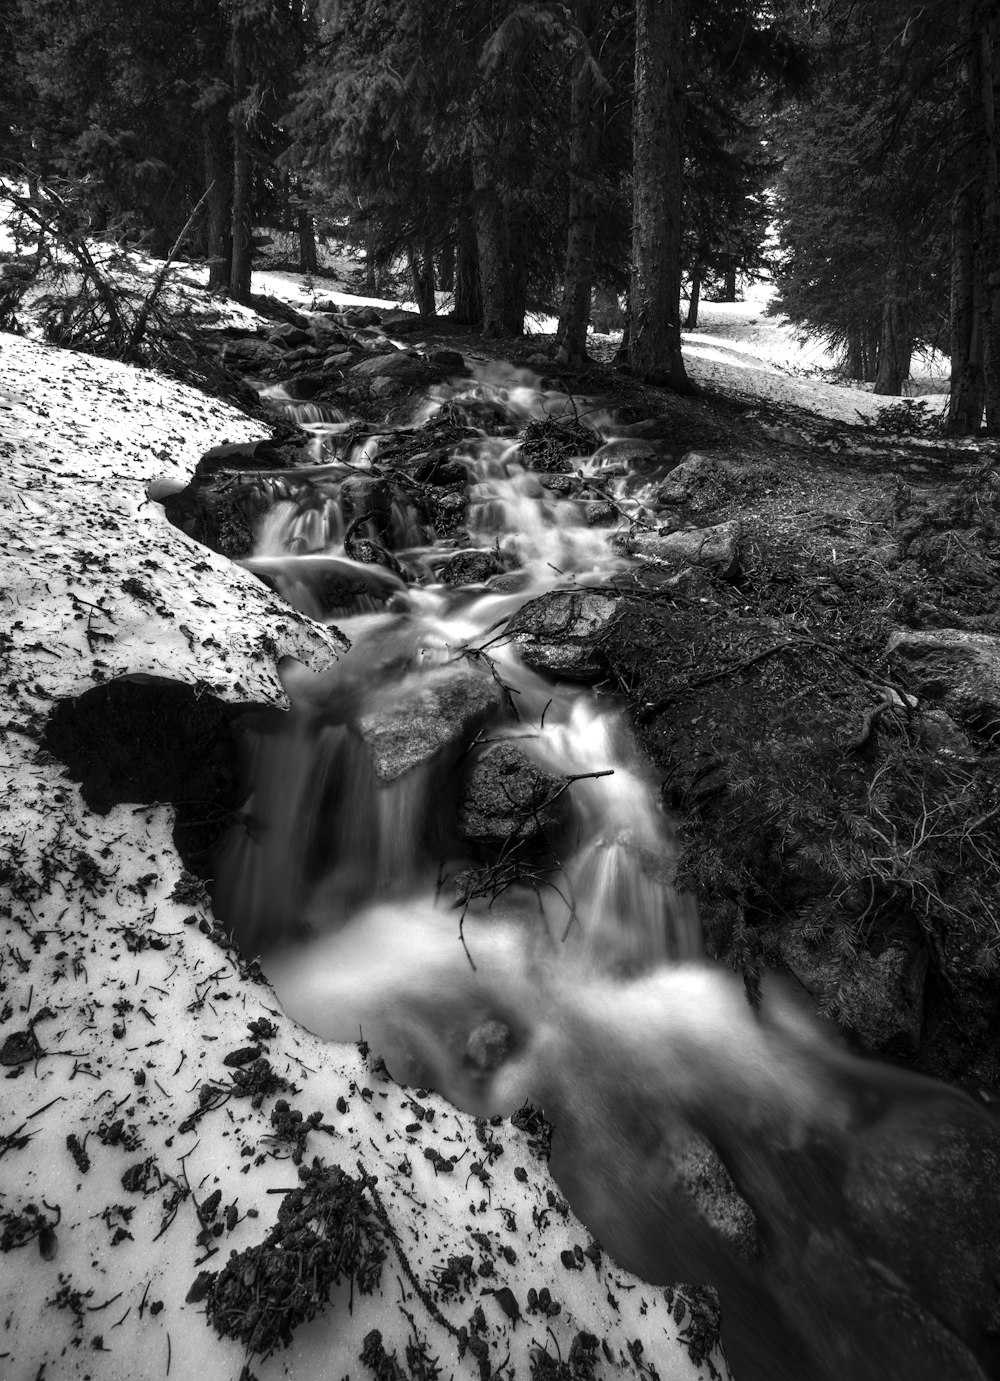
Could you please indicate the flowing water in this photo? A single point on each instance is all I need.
(349, 876)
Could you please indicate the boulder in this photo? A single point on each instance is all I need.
(470, 568)
(507, 799)
(448, 359)
(879, 996)
(397, 365)
(697, 1174)
(714, 548)
(560, 633)
(957, 671)
(425, 716)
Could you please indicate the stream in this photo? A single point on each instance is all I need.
(560, 965)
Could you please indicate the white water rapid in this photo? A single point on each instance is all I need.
(348, 875)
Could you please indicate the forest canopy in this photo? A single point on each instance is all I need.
(529, 156)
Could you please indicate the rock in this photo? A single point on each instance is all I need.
(250, 353)
(341, 359)
(627, 450)
(877, 996)
(415, 722)
(714, 548)
(600, 513)
(694, 473)
(489, 1045)
(240, 455)
(448, 359)
(305, 386)
(367, 494)
(560, 633)
(923, 1192)
(697, 1174)
(470, 568)
(290, 336)
(506, 797)
(446, 512)
(958, 671)
(397, 364)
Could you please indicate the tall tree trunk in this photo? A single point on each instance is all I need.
(578, 279)
(218, 163)
(446, 267)
(308, 257)
(468, 298)
(655, 297)
(896, 344)
(694, 301)
(422, 277)
(517, 248)
(854, 354)
(242, 206)
(493, 248)
(729, 283)
(989, 80)
(965, 405)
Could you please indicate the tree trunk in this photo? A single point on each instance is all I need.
(422, 278)
(495, 278)
(574, 309)
(965, 405)
(308, 258)
(854, 354)
(517, 248)
(218, 163)
(446, 268)
(989, 80)
(896, 344)
(655, 334)
(729, 284)
(468, 308)
(242, 206)
(606, 311)
(694, 301)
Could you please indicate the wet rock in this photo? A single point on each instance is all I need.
(626, 451)
(367, 494)
(957, 671)
(221, 514)
(560, 633)
(600, 513)
(923, 1192)
(506, 798)
(341, 359)
(445, 511)
(470, 568)
(439, 469)
(879, 996)
(399, 365)
(489, 1045)
(714, 548)
(698, 1175)
(435, 714)
(241, 455)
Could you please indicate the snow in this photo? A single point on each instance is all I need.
(737, 348)
(135, 1005)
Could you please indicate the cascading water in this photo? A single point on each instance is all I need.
(348, 874)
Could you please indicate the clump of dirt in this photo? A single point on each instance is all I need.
(327, 1231)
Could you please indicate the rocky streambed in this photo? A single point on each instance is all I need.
(586, 654)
